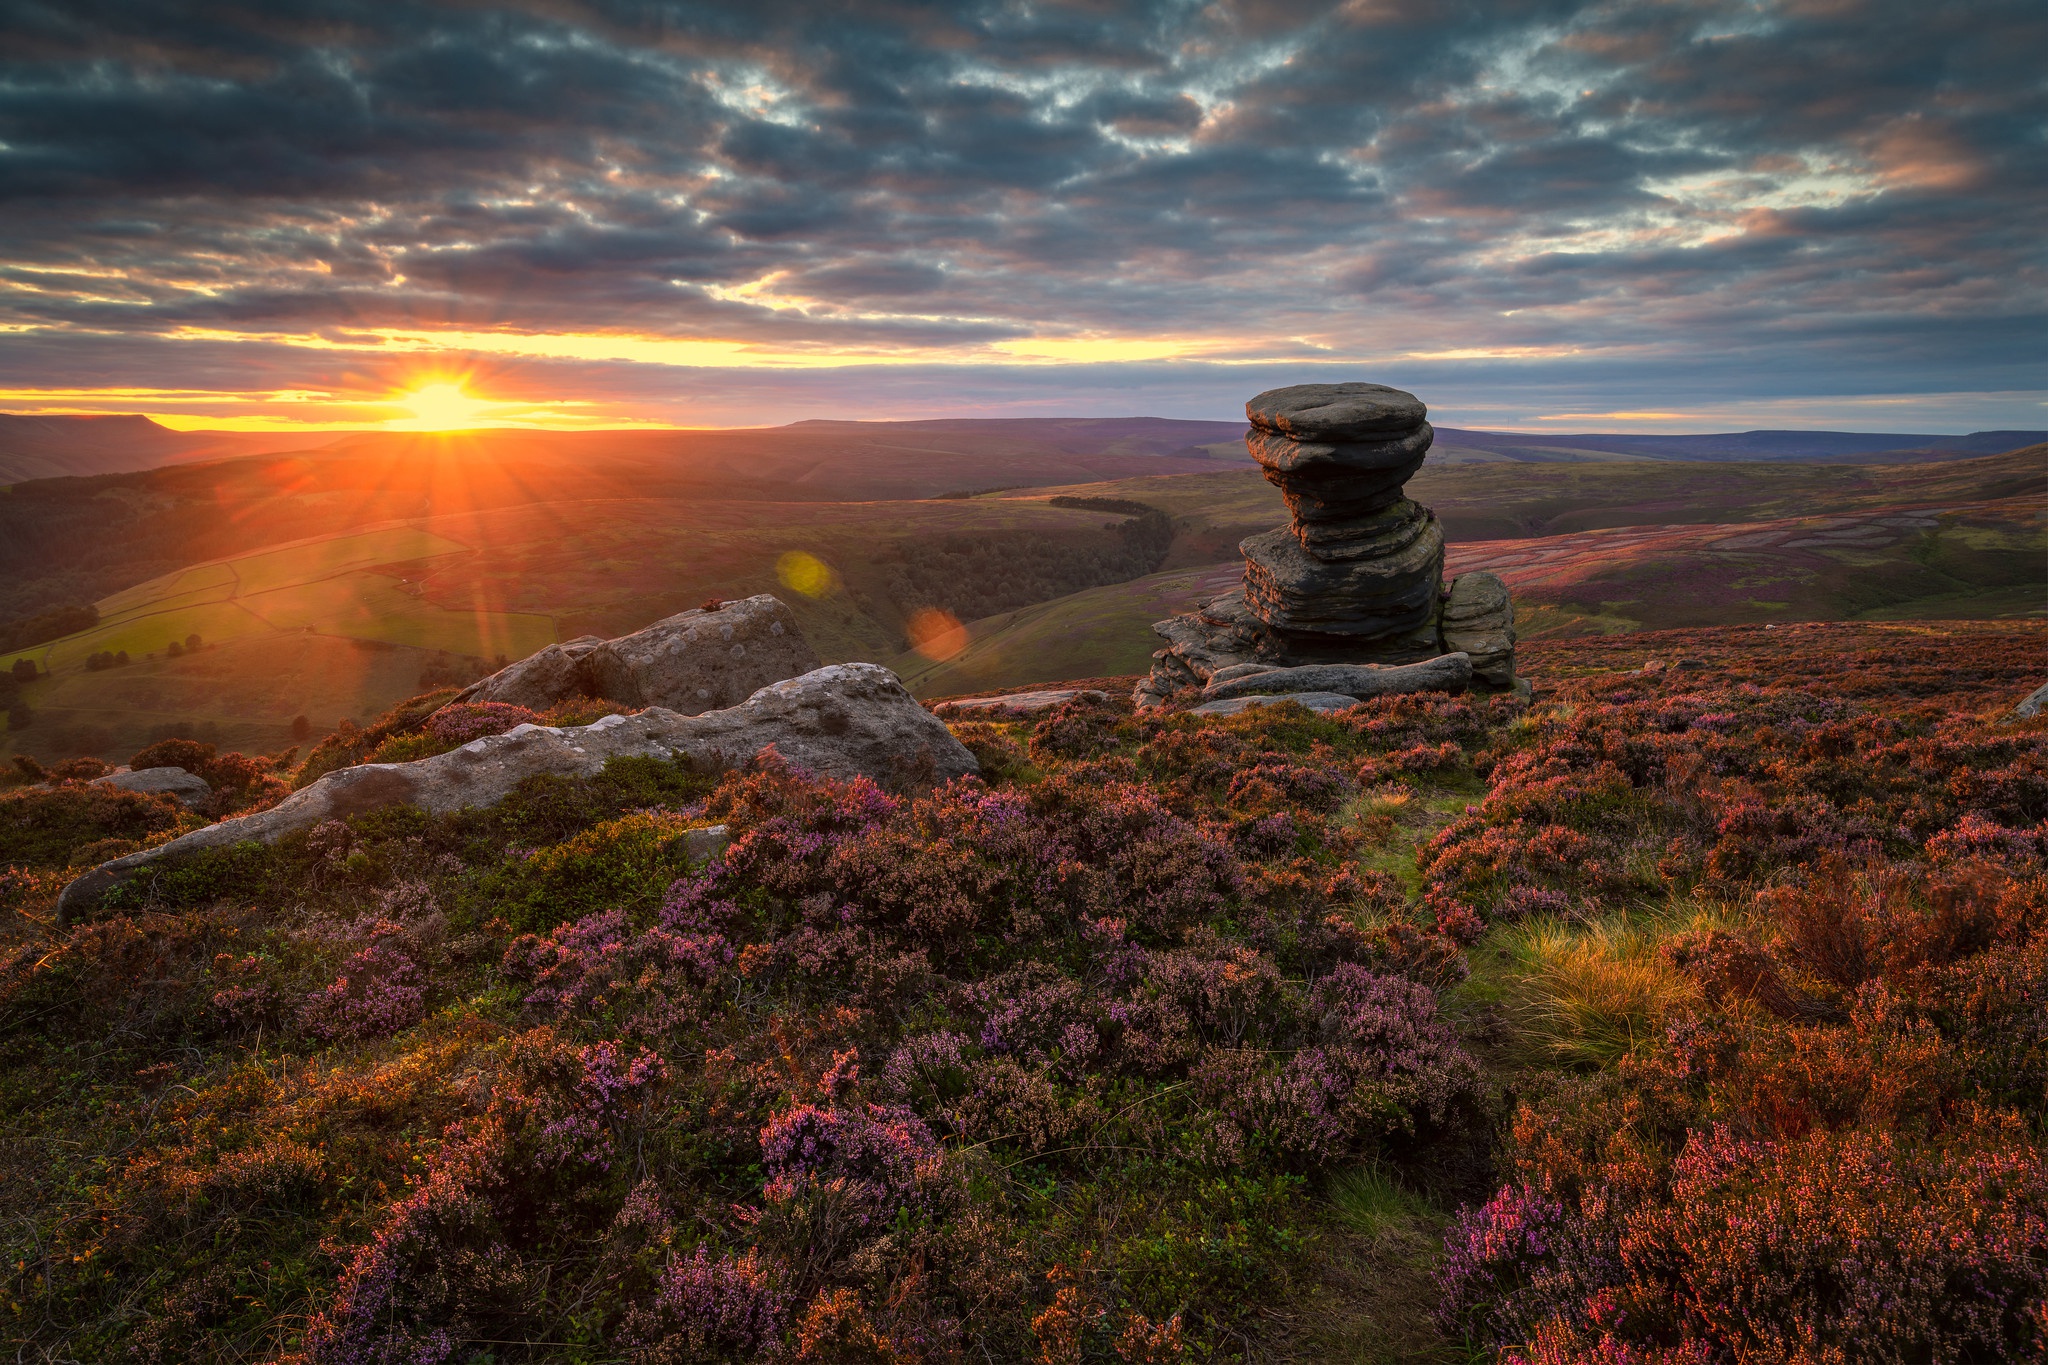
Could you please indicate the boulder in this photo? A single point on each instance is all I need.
(1014, 703)
(1449, 673)
(539, 680)
(2036, 702)
(1336, 412)
(1479, 619)
(1320, 702)
(695, 661)
(848, 720)
(698, 661)
(189, 788)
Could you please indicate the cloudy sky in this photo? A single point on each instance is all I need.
(1640, 215)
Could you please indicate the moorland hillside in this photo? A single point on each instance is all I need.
(1440, 1028)
(407, 573)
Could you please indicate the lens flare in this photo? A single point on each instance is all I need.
(806, 574)
(936, 634)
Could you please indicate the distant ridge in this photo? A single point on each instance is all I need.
(40, 447)
(1811, 447)
(53, 447)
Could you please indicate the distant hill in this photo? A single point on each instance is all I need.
(34, 447)
(839, 459)
(1806, 447)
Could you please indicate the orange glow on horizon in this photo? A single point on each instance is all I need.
(443, 406)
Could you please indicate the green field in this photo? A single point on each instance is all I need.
(326, 628)
(1103, 632)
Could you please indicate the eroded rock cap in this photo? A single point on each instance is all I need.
(1336, 412)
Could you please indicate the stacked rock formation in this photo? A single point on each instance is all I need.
(1356, 576)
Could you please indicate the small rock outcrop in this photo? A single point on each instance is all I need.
(695, 661)
(1356, 576)
(1011, 704)
(190, 788)
(2035, 703)
(846, 720)
(1479, 619)
(1447, 673)
(540, 679)
(1320, 702)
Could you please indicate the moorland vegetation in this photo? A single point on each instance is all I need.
(1688, 1014)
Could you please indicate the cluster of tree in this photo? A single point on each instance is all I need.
(105, 658)
(989, 572)
(192, 642)
(27, 631)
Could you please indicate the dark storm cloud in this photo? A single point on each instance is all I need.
(1848, 189)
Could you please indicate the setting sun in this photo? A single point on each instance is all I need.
(443, 407)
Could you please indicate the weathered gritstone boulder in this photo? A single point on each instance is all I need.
(1325, 481)
(541, 679)
(1296, 592)
(2036, 702)
(1479, 618)
(1449, 673)
(689, 663)
(699, 661)
(189, 788)
(1356, 576)
(848, 720)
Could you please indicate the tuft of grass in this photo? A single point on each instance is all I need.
(1592, 993)
(1371, 1202)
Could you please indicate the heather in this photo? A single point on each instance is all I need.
(1691, 1013)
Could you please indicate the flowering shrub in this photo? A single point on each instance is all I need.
(1057, 1064)
(461, 722)
(1831, 1153)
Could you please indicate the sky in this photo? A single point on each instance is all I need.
(1649, 215)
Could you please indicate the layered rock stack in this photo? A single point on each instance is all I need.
(1356, 576)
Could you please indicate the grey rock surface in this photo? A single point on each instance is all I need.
(1386, 530)
(2036, 702)
(1292, 591)
(541, 679)
(843, 721)
(1336, 412)
(692, 662)
(1447, 673)
(1283, 454)
(1015, 703)
(190, 788)
(1322, 702)
(1479, 619)
(698, 661)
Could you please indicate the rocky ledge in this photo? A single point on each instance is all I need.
(846, 720)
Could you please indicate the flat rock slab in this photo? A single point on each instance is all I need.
(190, 788)
(1336, 412)
(1015, 703)
(1320, 702)
(1447, 673)
(847, 720)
